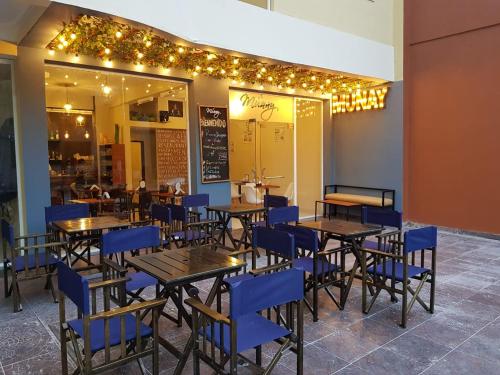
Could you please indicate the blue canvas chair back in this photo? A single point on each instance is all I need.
(179, 213)
(420, 239)
(305, 238)
(258, 293)
(66, 212)
(382, 216)
(274, 240)
(275, 201)
(7, 233)
(196, 200)
(74, 286)
(283, 215)
(130, 239)
(161, 213)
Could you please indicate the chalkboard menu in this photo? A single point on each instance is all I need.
(171, 157)
(214, 144)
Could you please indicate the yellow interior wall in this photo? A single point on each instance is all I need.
(309, 156)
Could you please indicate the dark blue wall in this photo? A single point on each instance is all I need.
(368, 146)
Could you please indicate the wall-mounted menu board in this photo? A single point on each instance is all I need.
(171, 157)
(213, 144)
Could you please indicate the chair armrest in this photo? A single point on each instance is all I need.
(202, 222)
(207, 311)
(381, 253)
(274, 267)
(41, 246)
(335, 250)
(239, 252)
(108, 283)
(119, 311)
(35, 235)
(115, 266)
(388, 234)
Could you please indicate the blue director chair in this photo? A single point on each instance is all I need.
(221, 340)
(162, 217)
(120, 327)
(323, 269)
(388, 269)
(283, 215)
(390, 220)
(186, 232)
(271, 202)
(195, 203)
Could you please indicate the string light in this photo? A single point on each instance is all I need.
(181, 50)
(118, 34)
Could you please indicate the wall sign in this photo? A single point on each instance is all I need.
(262, 107)
(213, 144)
(267, 108)
(359, 101)
(171, 157)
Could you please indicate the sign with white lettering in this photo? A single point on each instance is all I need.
(359, 100)
(213, 144)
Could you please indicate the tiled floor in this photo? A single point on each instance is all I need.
(462, 337)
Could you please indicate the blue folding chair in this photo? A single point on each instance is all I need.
(392, 268)
(323, 269)
(78, 246)
(246, 328)
(186, 232)
(271, 202)
(283, 215)
(388, 219)
(194, 203)
(116, 243)
(162, 217)
(120, 327)
(26, 258)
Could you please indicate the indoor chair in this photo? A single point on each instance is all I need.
(390, 220)
(221, 341)
(283, 215)
(396, 267)
(323, 269)
(162, 217)
(194, 203)
(270, 202)
(27, 258)
(185, 232)
(118, 331)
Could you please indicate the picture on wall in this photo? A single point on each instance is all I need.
(164, 116)
(176, 108)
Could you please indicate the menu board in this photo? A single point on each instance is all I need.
(214, 144)
(171, 157)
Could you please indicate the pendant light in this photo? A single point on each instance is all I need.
(67, 106)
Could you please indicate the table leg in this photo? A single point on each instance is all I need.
(316, 211)
(355, 245)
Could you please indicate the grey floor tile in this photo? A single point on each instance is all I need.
(459, 362)
(346, 345)
(484, 344)
(383, 362)
(323, 362)
(446, 332)
(48, 363)
(351, 370)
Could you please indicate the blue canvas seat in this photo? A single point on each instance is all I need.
(247, 326)
(307, 264)
(394, 269)
(237, 278)
(97, 341)
(188, 232)
(271, 202)
(390, 220)
(375, 245)
(103, 330)
(31, 263)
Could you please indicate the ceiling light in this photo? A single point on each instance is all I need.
(67, 107)
(106, 90)
(87, 135)
(66, 134)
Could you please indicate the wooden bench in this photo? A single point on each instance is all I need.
(376, 197)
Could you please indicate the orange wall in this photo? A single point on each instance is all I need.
(452, 117)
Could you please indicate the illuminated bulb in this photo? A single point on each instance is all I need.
(197, 68)
(107, 51)
(313, 78)
(242, 83)
(171, 58)
(210, 69)
(73, 36)
(140, 55)
(52, 52)
(66, 76)
(148, 43)
(259, 75)
(288, 81)
(344, 85)
(181, 50)
(76, 58)
(87, 135)
(166, 71)
(139, 67)
(60, 46)
(328, 81)
(149, 84)
(236, 61)
(96, 77)
(108, 63)
(261, 87)
(75, 83)
(126, 88)
(311, 91)
(147, 91)
(280, 87)
(334, 91)
(61, 38)
(80, 119)
(118, 34)
(195, 74)
(321, 87)
(292, 75)
(233, 82)
(46, 83)
(123, 79)
(65, 43)
(270, 79)
(106, 90)
(263, 70)
(66, 135)
(222, 71)
(304, 85)
(211, 56)
(235, 72)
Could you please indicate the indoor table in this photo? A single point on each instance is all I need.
(76, 231)
(245, 213)
(95, 204)
(178, 269)
(351, 233)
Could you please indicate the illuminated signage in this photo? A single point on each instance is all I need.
(265, 106)
(360, 100)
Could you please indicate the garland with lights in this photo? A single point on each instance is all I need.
(109, 40)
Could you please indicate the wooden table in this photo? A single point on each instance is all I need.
(265, 187)
(245, 213)
(164, 196)
(334, 203)
(345, 232)
(90, 229)
(94, 203)
(178, 269)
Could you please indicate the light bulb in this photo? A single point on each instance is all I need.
(80, 119)
(171, 58)
(52, 52)
(106, 90)
(73, 36)
(222, 71)
(140, 55)
(181, 50)
(107, 51)
(68, 107)
(87, 135)
(148, 43)
(118, 34)
(66, 135)
(236, 61)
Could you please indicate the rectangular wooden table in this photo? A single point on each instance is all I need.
(346, 232)
(94, 203)
(178, 269)
(90, 229)
(334, 203)
(245, 213)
